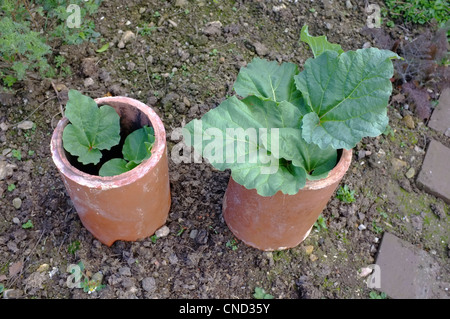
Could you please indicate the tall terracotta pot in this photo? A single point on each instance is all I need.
(280, 221)
(129, 206)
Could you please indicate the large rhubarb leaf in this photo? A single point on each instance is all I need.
(347, 95)
(91, 128)
(234, 136)
(318, 44)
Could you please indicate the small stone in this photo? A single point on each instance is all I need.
(12, 246)
(181, 3)
(25, 125)
(398, 164)
(417, 149)
(172, 23)
(309, 249)
(3, 126)
(260, 49)
(88, 82)
(313, 257)
(43, 267)
(186, 101)
(348, 4)
(127, 37)
(362, 227)
(361, 154)
(130, 65)
(125, 271)
(193, 233)
(17, 203)
(3, 170)
(173, 259)
(409, 121)
(278, 8)
(142, 10)
(16, 220)
(410, 173)
(149, 284)
(213, 28)
(366, 271)
(162, 232)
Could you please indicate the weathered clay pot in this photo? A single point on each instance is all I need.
(129, 206)
(280, 221)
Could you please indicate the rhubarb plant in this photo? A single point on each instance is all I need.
(287, 124)
(94, 129)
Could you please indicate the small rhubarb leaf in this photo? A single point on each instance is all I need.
(91, 128)
(318, 44)
(347, 95)
(115, 166)
(135, 148)
(268, 80)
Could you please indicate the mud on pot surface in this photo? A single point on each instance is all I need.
(189, 68)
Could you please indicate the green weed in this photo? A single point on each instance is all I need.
(418, 11)
(345, 195)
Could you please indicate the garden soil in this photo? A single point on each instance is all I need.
(183, 63)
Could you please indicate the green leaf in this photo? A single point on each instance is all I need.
(318, 44)
(347, 95)
(103, 48)
(292, 147)
(272, 115)
(28, 224)
(135, 148)
(260, 293)
(91, 128)
(115, 166)
(268, 81)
